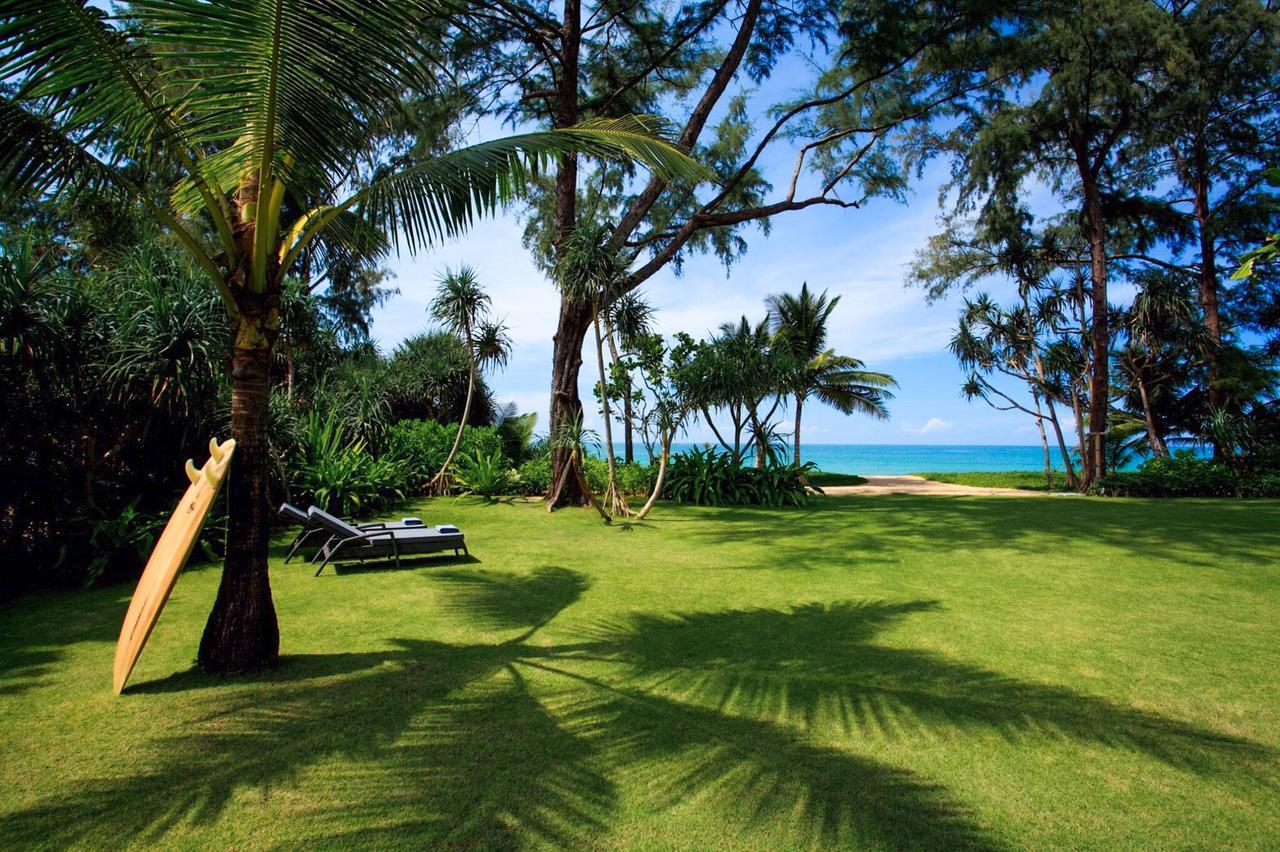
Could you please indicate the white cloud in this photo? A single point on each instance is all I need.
(932, 426)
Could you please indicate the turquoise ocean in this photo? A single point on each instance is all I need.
(920, 458)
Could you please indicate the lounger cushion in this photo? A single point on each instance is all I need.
(332, 523)
(293, 513)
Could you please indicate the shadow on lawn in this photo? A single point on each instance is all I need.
(874, 527)
(29, 653)
(497, 745)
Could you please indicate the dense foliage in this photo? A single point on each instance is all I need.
(112, 373)
(1186, 475)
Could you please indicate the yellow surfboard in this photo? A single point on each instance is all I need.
(168, 557)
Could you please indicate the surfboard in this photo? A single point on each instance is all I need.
(167, 558)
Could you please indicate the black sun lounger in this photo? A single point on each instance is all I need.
(352, 544)
(315, 533)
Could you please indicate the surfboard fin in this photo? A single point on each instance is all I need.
(192, 473)
(214, 449)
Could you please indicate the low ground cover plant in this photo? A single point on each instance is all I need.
(707, 477)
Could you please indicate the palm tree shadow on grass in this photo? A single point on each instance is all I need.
(816, 536)
(502, 744)
(818, 667)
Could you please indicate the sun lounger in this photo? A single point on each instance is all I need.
(315, 533)
(349, 543)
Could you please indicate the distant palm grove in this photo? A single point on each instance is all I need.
(199, 211)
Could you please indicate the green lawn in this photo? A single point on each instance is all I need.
(871, 672)
(1022, 479)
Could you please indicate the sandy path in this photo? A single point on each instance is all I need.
(920, 485)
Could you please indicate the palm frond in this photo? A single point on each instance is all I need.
(37, 157)
(102, 89)
(442, 197)
(302, 78)
(69, 59)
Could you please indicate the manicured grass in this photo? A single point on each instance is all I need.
(870, 672)
(825, 480)
(1022, 479)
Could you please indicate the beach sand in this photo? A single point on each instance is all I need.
(920, 485)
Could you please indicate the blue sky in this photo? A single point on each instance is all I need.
(862, 255)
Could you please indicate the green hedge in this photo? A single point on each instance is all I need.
(534, 476)
(421, 447)
(1185, 475)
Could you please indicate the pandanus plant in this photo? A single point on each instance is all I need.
(463, 306)
(264, 109)
(589, 270)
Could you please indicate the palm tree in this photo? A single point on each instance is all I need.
(265, 111)
(460, 304)
(799, 324)
(842, 383)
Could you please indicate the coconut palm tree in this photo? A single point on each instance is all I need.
(799, 323)
(842, 383)
(264, 111)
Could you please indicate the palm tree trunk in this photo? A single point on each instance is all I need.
(1072, 481)
(578, 470)
(614, 496)
(437, 485)
(1077, 408)
(796, 438)
(706, 415)
(242, 634)
(662, 476)
(758, 437)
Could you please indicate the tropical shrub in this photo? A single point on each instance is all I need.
(118, 542)
(339, 474)
(635, 478)
(1259, 485)
(483, 474)
(534, 476)
(710, 478)
(1182, 475)
(421, 446)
